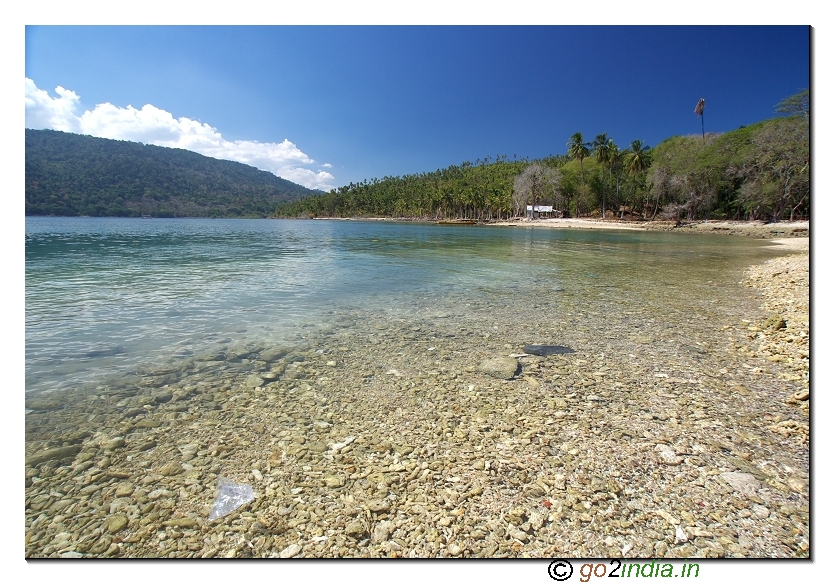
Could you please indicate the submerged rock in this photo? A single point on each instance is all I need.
(56, 453)
(547, 349)
(502, 367)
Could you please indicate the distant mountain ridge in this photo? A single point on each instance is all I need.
(73, 175)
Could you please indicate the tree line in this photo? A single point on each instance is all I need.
(761, 171)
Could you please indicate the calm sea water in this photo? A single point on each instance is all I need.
(106, 296)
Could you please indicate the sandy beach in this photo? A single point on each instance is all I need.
(755, 229)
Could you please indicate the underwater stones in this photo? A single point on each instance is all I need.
(115, 523)
(163, 396)
(500, 367)
(582, 472)
(171, 469)
(271, 354)
(342, 444)
(113, 444)
(124, 489)
(75, 437)
(253, 381)
(56, 453)
(44, 403)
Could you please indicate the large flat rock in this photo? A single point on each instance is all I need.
(500, 367)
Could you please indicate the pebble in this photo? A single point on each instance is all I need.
(124, 489)
(115, 523)
(355, 529)
(290, 551)
(744, 484)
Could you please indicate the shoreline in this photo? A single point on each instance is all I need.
(755, 229)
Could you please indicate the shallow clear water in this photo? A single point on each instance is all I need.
(107, 296)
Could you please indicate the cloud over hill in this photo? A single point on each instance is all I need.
(151, 125)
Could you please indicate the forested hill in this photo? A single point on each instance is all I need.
(71, 175)
(757, 172)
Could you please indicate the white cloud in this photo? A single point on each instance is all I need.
(45, 112)
(151, 125)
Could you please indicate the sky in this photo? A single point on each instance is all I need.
(324, 106)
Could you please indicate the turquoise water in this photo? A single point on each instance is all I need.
(105, 297)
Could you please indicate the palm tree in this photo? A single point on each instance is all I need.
(638, 159)
(603, 152)
(699, 110)
(615, 166)
(578, 150)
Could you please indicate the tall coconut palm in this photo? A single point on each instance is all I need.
(615, 166)
(638, 160)
(603, 153)
(578, 150)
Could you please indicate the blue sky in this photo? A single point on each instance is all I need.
(338, 104)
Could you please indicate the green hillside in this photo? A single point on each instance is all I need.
(73, 175)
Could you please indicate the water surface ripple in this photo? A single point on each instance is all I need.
(106, 296)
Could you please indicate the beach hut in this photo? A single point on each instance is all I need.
(535, 212)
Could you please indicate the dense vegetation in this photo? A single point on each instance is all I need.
(72, 175)
(761, 171)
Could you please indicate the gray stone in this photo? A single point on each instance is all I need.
(501, 367)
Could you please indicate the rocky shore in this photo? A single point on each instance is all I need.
(433, 434)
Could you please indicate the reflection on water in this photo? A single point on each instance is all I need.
(106, 296)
